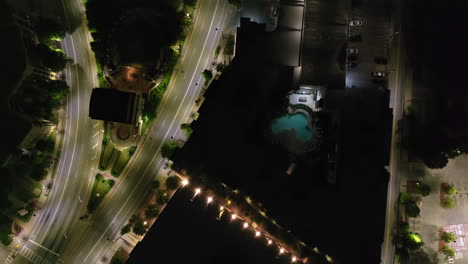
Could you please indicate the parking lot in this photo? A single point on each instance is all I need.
(368, 39)
(434, 218)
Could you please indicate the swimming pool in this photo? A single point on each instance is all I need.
(297, 121)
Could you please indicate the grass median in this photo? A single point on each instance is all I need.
(121, 161)
(100, 188)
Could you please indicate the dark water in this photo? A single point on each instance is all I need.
(188, 232)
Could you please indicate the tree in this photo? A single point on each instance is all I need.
(49, 29)
(207, 74)
(168, 149)
(125, 229)
(162, 198)
(133, 219)
(412, 241)
(155, 184)
(423, 189)
(448, 237)
(187, 129)
(450, 190)
(448, 202)
(172, 182)
(139, 228)
(151, 212)
(448, 251)
(53, 59)
(412, 209)
(58, 89)
(405, 198)
(435, 160)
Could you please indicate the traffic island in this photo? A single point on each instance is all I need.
(100, 188)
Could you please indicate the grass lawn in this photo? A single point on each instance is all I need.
(120, 257)
(100, 188)
(107, 151)
(22, 188)
(121, 161)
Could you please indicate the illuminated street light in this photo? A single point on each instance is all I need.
(184, 182)
(270, 242)
(233, 216)
(144, 223)
(293, 259)
(257, 234)
(209, 200)
(281, 250)
(197, 191)
(246, 225)
(221, 208)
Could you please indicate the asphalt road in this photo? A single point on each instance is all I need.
(78, 157)
(396, 82)
(93, 241)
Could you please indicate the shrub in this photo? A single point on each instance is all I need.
(448, 202)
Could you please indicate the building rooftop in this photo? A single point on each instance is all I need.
(113, 105)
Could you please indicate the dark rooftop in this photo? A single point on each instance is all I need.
(112, 105)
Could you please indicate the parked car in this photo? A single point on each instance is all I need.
(352, 57)
(355, 38)
(354, 23)
(352, 51)
(380, 60)
(378, 80)
(378, 74)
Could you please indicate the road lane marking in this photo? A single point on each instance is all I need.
(55, 253)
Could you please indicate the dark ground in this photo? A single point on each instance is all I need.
(228, 144)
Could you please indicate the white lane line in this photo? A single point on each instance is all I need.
(164, 122)
(152, 160)
(74, 145)
(55, 253)
(194, 50)
(175, 98)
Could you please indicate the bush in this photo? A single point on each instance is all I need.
(405, 198)
(448, 237)
(168, 149)
(412, 241)
(412, 209)
(450, 190)
(448, 202)
(448, 251)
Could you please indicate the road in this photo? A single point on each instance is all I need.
(178, 102)
(79, 153)
(396, 81)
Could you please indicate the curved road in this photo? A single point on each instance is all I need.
(79, 151)
(127, 197)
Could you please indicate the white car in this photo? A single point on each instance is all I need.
(352, 50)
(378, 74)
(355, 23)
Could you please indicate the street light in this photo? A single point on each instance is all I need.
(281, 251)
(246, 225)
(257, 234)
(145, 223)
(184, 182)
(197, 191)
(233, 216)
(293, 259)
(269, 241)
(221, 208)
(209, 200)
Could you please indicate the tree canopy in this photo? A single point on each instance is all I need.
(450, 190)
(412, 209)
(139, 228)
(172, 182)
(448, 251)
(54, 59)
(151, 212)
(125, 229)
(448, 237)
(423, 189)
(49, 29)
(448, 202)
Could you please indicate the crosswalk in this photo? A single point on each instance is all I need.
(33, 257)
(10, 257)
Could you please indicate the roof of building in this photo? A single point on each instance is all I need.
(112, 105)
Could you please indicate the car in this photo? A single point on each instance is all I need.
(378, 74)
(352, 51)
(355, 38)
(352, 57)
(380, 60)
(351, 64)
(354, 23)
(378, 80)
